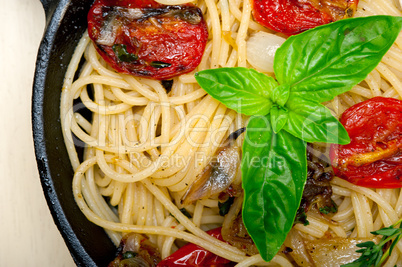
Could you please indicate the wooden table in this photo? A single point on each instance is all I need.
(28, 235)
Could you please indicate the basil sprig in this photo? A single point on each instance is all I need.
(310, 68)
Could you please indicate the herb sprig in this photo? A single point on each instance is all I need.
(286, 113)
(373, 254)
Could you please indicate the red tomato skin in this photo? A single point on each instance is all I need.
(291, 16)
(193, 256)
(173, 41)
(374, 126)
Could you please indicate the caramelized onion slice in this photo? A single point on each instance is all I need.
(298, 251)
(233, 230)
(216, 176)
(136, 250)
(335, 251)
(398, 4)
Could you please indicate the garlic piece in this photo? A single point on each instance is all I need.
(261, 48)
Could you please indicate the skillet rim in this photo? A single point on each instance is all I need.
(67, 225)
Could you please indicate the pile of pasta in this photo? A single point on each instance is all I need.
(144, 146)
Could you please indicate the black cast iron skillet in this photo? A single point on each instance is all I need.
(65, 23)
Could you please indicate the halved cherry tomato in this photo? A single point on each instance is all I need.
(374, 156)
(295, 16)
(192, 255)
(147, 39)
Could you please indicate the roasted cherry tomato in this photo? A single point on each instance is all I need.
(147, 39)
(192, 255)
(295, 16)
(374, 156)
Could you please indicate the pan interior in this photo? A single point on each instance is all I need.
(88, 243)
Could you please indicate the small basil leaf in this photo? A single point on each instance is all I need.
(274, 171)
(279, 117)
(312, 122)
(243, 90)
(280, 94)
(329, 60)
(122, 54)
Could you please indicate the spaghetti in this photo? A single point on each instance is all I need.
(145, 145)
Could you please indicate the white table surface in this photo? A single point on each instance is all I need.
(28, 235)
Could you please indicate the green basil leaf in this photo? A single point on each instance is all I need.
(329, 60)
(280, 94)
(279, 117)
(274, 171)
(312, 122)
(244, 90)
